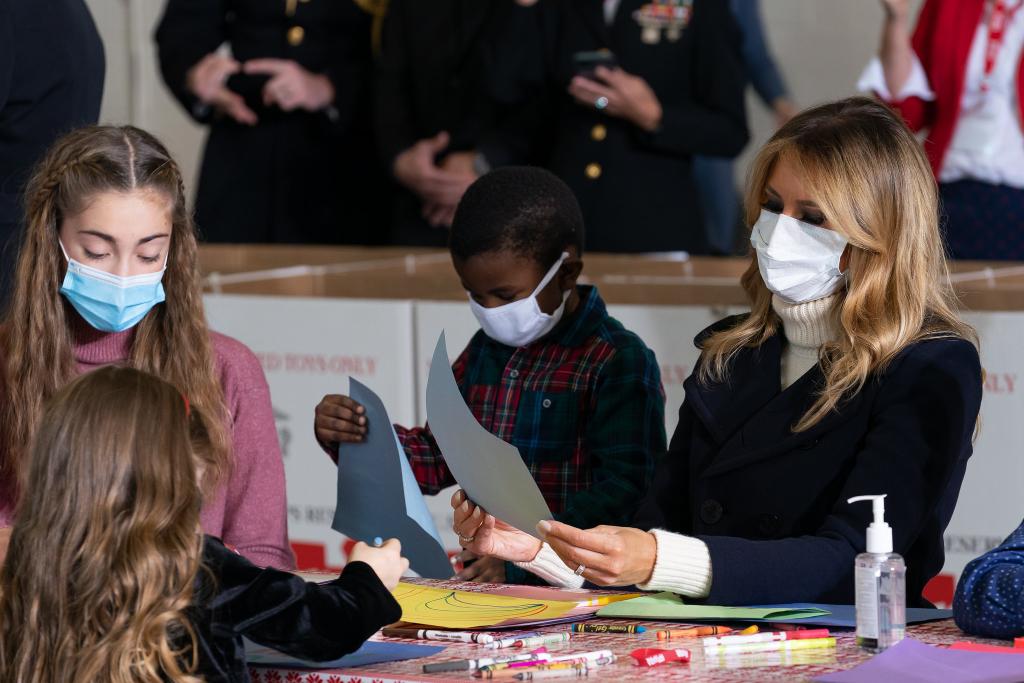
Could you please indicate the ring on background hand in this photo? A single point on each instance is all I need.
(601, 102)
(579, 570)
(466, 539)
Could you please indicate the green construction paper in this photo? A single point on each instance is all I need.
(670, 607)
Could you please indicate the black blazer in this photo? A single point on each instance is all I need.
(295, 176)
(430, 77)
(771, 504)
(635, 188)
(317, 622)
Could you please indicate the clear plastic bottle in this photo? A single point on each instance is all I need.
(880, 576)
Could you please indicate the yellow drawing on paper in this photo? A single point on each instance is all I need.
(445, 608)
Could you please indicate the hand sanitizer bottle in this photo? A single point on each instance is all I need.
(880, 576)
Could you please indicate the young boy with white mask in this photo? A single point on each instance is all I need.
(549, 372)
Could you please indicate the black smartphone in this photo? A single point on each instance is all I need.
(586, 63)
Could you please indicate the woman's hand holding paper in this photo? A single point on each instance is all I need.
(610, 555)
(484, 535)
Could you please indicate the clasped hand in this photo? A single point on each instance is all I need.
(290, 86)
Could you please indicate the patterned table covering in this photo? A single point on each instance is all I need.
(747, 668)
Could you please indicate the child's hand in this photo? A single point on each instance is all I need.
(339, 419)
(386, 561)
(484, 536)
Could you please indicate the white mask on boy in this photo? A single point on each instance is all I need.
(521, 322)
(798, 261)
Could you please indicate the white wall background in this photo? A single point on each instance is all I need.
(820, 45)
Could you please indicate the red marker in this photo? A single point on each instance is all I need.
(649, 656)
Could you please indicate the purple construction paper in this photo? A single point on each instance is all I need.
(912, 661)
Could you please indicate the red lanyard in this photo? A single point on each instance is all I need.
(997, 23)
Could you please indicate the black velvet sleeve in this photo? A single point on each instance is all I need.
(311, 621)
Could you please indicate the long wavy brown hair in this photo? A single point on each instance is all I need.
(172, 341)
(104, 554)
(866, 170)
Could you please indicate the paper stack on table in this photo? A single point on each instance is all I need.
(527, 606)
(671, 607)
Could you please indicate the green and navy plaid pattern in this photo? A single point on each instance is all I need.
(584, 406)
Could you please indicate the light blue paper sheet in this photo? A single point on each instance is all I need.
(490, 471)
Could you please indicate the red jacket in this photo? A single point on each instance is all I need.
(942, 40)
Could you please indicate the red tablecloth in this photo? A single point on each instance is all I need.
(845, 656)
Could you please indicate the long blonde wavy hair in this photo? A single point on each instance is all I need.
(171, 342)
(867, 172)
(104, 554)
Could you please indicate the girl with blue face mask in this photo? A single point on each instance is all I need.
(852, 374)
(107, 275)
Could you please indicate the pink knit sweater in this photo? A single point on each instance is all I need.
(249, 511)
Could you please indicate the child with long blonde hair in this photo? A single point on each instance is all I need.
(109, 578)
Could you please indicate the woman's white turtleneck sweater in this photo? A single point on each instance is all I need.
(683, 564)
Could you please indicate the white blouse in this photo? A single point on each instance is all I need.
(987, 144)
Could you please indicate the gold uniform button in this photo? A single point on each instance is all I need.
(296, 34)
(598, 132)
(593, 171)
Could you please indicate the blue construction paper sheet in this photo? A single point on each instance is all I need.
(378, 496)
(912, 661)
(369, 653)
(845, 616)
(415, 505)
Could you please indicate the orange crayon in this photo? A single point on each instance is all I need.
(695, 632)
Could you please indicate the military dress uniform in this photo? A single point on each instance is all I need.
(430, 77)
(295, 176)
(635, 187)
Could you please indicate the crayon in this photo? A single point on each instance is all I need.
(608, 628)
(696, 632)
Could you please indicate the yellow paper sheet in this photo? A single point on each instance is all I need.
(443, 608)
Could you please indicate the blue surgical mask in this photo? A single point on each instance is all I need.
(108, 302)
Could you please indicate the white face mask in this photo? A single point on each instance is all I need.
(798, 261)
(521, 322)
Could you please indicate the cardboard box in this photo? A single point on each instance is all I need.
(425, 274)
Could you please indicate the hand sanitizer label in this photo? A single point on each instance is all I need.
(867, 602)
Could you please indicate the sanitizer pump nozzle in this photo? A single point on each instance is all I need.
(879, 533)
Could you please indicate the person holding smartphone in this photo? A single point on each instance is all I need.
(616, 101)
